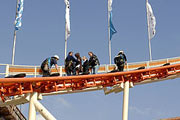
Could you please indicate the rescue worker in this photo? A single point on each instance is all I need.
(70, 63)
(85, 66)
(93, 63)
(47, 64)
(120, 60)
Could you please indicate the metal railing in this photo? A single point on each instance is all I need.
(35, 71)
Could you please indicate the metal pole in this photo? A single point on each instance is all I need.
(110, 52)
(7, 70)
(150, 52)
(14, 46)
(109, 39)
(65, 51)
(125, 100)
(32, 109)
(43, 111)
(14, 39)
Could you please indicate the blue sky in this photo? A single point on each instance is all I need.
(42, 35)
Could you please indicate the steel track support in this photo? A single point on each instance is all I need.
(36, 105)
(125, 100)
(43, 111)
(32, 109)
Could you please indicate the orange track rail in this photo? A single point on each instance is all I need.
(19, 86)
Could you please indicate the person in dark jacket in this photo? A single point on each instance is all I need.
(70, 63)
(78, 63)
(47, 64)
(93, 63)
(120, 60)
(85, 66)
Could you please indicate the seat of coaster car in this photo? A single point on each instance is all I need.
(20, 75)
(54, 74)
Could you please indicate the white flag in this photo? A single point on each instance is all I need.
(152, 21)
(67, 17)
(110, 5)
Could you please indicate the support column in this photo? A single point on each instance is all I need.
(126, 100)
(43, 111)
(32, 109)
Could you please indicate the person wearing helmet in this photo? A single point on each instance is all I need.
(120, 60)
(47, 64)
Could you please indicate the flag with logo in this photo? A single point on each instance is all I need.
(112, 29)
(111, 26)
(151, 21)
(18, 21)
(67, 17)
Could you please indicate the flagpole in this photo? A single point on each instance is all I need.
(14, 46)
(14, 39)
(65, 48)
(109, 38)
(150, 52)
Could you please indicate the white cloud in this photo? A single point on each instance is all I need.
(145, 111)
(148, 111)
(64, 102)
(39, 117)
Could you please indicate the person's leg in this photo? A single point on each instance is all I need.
(74, 71)
(68, 72)
(93, 70)
(46, 73)
(121, 67)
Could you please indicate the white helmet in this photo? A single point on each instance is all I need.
(56, 56)
(121, 51)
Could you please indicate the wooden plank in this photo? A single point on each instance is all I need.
(134, 66)
(102, 68)
(13, 69)
(174, 60)
(155, 63)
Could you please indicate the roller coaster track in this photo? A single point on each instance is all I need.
(68, 84)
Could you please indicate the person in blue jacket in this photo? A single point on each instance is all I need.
(70, 64)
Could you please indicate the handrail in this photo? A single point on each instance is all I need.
(35, 70)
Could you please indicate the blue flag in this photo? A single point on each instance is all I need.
(19, 14)
(112, 29)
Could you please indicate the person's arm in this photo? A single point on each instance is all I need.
(80, 64)
(73, 59)
(56, 66)
(125, 59)
(115, 60)
(54, 61)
